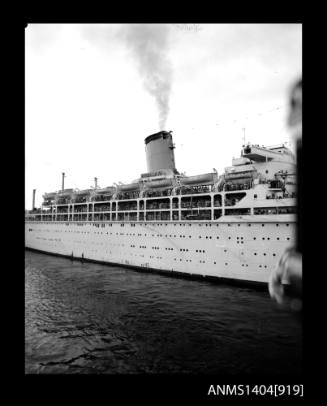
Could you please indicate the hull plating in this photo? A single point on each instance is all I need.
(234, 250)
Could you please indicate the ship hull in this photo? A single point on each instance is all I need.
(234, 249)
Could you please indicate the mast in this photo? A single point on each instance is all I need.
(63, 181)
(33, 199)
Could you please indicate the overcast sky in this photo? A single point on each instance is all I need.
(91, 101)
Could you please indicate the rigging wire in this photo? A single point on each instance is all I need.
(250, 116)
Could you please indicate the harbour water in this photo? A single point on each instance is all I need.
(88, 318)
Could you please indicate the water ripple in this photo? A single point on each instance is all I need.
(90, 318)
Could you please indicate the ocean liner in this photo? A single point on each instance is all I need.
(234, 226)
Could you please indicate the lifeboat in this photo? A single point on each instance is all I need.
(164, 183)
(205, 179)
(239, 175)
(130, 187)
(105, 191)
(50, 195)
(82, 192)
(65, 192)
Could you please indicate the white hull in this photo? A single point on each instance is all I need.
(239, 248)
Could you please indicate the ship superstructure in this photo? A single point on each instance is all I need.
(232, 226)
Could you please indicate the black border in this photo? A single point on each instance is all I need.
(111, 387)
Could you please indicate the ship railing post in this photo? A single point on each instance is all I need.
(179, 208)
(171, 208)
(223, 203)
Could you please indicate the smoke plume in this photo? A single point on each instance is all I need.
(148, 44)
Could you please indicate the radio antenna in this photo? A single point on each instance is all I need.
(243, 129)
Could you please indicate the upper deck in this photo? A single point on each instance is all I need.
(261, 182)
(209, 206)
